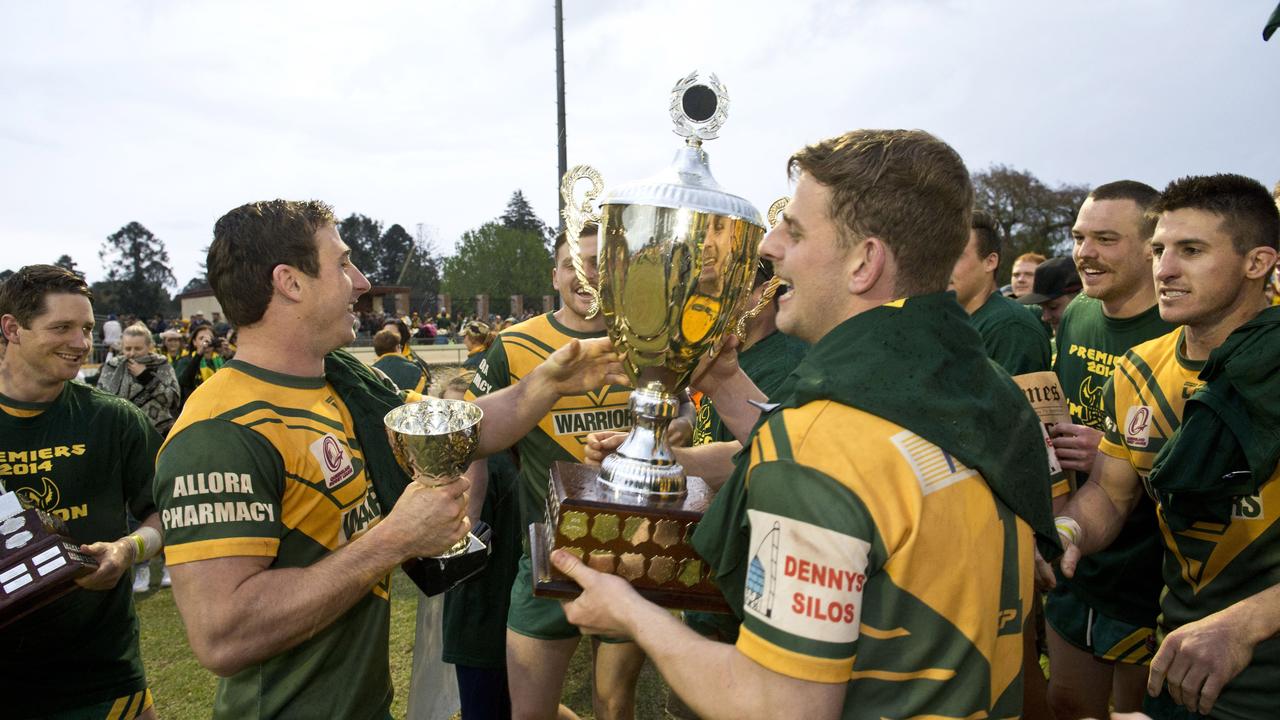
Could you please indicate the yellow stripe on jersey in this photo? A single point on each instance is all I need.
(222, 547)
(19, 412)
(292, 419)
(924, 503)
(879, 634)
(1152, 379)
(938, 674)
(573, 417)
(780, 660)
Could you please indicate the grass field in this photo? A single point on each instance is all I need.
(183, 690)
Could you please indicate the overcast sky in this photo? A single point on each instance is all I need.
(171, 113)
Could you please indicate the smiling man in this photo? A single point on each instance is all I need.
(277, 483)
(1192, 422)
(1099, 622)
(894, 442)
(85, 457)
(540, 642)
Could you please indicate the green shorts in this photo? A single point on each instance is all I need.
(535, 617)
(1105, 637)
(126, 707)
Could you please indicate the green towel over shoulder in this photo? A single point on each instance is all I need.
(368, 400)
(920, 365)
(1229, 441)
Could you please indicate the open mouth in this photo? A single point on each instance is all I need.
(784, 290)
(1172, 293)
(71, 357)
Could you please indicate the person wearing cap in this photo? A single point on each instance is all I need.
(172, 346)
(1056, 284)
(1099, 621)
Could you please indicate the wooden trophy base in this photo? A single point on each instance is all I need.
(642, 540)
(37, 564)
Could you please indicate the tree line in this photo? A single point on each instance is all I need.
(511, 254)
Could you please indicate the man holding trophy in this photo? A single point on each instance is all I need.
(277, 484)
(894, 443)
(80, 460)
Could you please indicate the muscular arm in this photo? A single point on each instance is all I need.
(741, 687)
(713, 462)
(510, 413)
(239, 613)
(1198, 659)
(1100, 506)
(733, 396)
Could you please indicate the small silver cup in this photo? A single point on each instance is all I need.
(433, 440)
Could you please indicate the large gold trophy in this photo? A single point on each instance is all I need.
(433, 441)
(677, 256)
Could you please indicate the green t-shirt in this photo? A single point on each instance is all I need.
(562, 434)
(87, 458)
(767, 363)
(1012, 337)
(1122, 581)
(475, 613)
(262, 464)
(406, 374)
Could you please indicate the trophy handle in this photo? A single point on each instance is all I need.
(771, 287)
(775, 210)
(576, 216)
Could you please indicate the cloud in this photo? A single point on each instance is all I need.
(172, 113)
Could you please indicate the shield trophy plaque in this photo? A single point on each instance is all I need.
(677, 256)
(433, 441)
(39, 561)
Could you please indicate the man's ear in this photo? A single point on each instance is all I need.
(286, 281)
(1259, 261)
(9, 326)
(866, 265)
(991, 262)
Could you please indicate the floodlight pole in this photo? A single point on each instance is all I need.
(560, 128)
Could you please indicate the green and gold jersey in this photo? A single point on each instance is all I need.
(1012, 337)
(562, 434)
(263, 464)
(852, 574)
(1122, 581)
(1209, 566)
(406, 374)
(767, 363)
(88, 458)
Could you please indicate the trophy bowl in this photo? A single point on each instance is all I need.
(433, 440)
(677, 256)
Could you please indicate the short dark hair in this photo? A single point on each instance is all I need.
(588, 230)
(402, 330)
(984, 228)
(1141, 194)
(385, 341)
(907, 188)
(250, 241)
(22, 295)
(1248, 211)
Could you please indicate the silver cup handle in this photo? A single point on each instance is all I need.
(771, 287)
(577, 213)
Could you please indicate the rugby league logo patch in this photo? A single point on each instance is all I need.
(334, 461)
(1137, 426)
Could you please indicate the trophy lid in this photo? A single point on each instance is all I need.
(699, 107)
